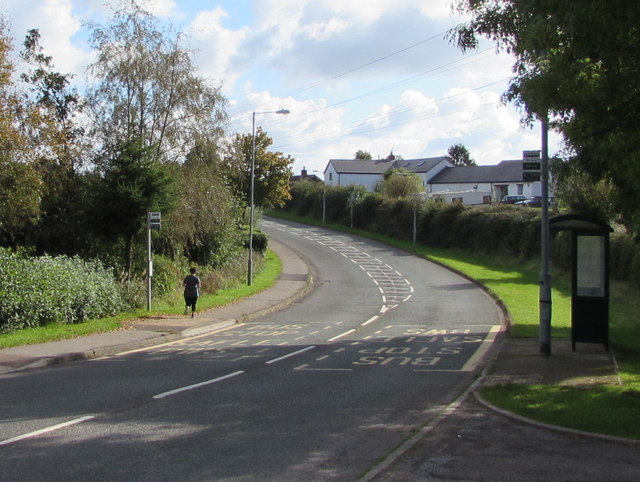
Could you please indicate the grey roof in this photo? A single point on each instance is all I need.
(365, 166)
(506, 171)
(419, 165)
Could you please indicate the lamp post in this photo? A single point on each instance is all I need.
(253, 168)
(324, 198)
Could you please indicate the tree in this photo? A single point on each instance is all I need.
(60, 146)
(204, 225)
(365, 155)
(400, 183)
(272, 170)
(132, 183)
(20, 183)
(459, 155)
(148, 87)
(576, 61)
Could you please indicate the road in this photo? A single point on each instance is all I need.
(323, 390)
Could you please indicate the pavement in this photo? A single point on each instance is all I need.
(511, 361)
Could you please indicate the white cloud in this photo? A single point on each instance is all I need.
(375, 77)
(215, 45)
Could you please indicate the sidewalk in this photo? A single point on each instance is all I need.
(294, 282)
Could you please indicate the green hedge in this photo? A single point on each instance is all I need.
(496, 230)
(39, 291)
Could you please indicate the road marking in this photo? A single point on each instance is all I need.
(306, 368)
(197, 385)
(482, 349)
(289, 355)
(46, 430)
(370, 320)
(341, 335)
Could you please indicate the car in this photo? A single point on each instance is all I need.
(532, 202)
(512, 199)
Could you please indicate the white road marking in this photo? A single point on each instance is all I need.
(289, 355)
(197, 385)
(341, 335)
(46, 430)
(482, 349)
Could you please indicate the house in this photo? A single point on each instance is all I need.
(367, 173)
(304, 176)
(492, 182)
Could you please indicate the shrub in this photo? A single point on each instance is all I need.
(38, 291)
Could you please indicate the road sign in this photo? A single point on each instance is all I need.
(530, 166)
(154, 220)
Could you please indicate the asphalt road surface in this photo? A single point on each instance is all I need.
(323, 390)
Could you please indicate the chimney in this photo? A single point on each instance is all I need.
(304, 172)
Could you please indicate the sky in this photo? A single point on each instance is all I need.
(376, 75)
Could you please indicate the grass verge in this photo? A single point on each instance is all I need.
(606, 409)
(168, 307)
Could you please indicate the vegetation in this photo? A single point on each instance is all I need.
(459, 155)
(576, 62)
(78, 173)
(46, 290)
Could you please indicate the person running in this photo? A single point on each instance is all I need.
(191, 284)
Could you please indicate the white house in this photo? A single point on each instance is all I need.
(440, 178)
(367, 173)
(494, 182)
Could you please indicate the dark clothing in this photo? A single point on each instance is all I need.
(191, 286)
(191, 291)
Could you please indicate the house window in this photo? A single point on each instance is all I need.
(486, 199)
(330, 176)
(456, 200)
(520, 189)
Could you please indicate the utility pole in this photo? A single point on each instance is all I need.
(545, 277)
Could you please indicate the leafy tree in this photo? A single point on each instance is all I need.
(459, 155)
(20, 183)
(400, 183)
(132, 183)
(272, 170)
(365, 155)
(148, 87)
(60, 147)
(576, 191)
(204, 225)
(576, 61)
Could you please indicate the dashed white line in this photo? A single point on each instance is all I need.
(342, 334)
(289, 355)
(197, 385)
(46, 430)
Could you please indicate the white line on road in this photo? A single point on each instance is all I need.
(341, 335)
(370, 320)
(197, 385)
(46, 430)
(482, 349)
(289, 355)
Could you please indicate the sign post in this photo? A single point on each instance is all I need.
(154, 221)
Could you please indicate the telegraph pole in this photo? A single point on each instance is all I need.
(545, 277)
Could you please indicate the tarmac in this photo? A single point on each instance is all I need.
(512, 360)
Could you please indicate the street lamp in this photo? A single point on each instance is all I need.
(253, 168)
(324, 198)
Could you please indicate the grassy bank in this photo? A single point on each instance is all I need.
(612, 410)
(171, 306)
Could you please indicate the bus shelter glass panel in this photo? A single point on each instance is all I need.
(590, 269)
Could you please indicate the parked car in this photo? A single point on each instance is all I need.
(532, 202)
(512, 199)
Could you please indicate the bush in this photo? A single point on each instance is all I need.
(38, 291)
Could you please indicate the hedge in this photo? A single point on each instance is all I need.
(495, 230)
(43, 290)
